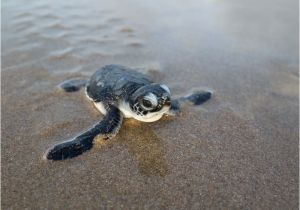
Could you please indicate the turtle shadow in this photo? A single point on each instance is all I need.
(145, 146)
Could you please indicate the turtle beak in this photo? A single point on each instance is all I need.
(167, 102)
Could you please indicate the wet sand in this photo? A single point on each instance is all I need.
(237, 151)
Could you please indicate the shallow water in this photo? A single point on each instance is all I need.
(237, 151)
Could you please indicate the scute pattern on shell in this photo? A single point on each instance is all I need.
(114, 82)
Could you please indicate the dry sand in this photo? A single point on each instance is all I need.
(237, 151)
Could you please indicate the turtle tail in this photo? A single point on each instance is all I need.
(107, 128)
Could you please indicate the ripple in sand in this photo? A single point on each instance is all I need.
(61, 53)
(26, 46)
(50, 16)
(114, 20)
(55, 35)
(127, 30)
(56, 25)
(94, 39)
(133, 44)
(63, 63)
(23, 20)
(22, 26)
(76, 69)
(23, 15)
(63, 57)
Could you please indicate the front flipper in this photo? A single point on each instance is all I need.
(72, 85)
(196, 98)
(107, 128)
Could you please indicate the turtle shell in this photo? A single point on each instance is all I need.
(114, 82)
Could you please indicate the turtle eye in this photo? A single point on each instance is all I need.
(147, 103)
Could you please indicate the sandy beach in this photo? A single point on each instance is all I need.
(239, 150)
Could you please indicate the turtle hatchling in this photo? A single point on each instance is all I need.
(119, 92)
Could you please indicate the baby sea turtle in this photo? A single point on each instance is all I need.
(119, 92)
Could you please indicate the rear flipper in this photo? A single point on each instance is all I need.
(107, 128)
(72, 85)
(196, 98)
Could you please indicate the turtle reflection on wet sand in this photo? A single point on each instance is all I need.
(120, 92)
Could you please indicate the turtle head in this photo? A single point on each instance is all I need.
(150, 102)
